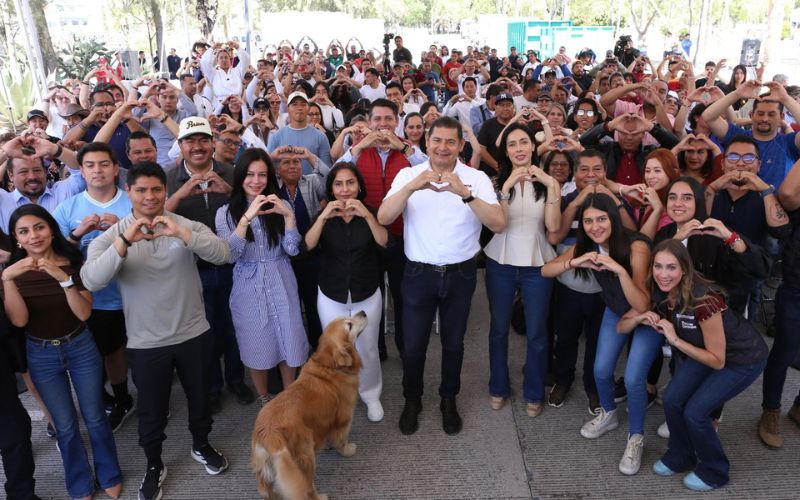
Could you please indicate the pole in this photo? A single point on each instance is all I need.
(32, 48)
(247, 22)
(186, 28)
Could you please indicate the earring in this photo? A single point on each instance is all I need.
(19, 245)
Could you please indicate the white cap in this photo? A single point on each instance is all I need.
(299, 94)
(194, 125)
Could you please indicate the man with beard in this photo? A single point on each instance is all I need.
(102, 109)
(27, 172)
(197, 188)
(778, 151)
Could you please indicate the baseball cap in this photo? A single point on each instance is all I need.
(261, 102)
(295, 95)
(503, 96)
(194, 125)
(544, 96)
(74, 109)
(37, 112)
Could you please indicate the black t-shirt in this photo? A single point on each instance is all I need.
(791, 252)
(613, 294)
(349, 260)
(402, 54)
(745, 215)
(490, 131)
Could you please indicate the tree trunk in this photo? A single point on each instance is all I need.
(771, 50)
(155, 9)
(207, 16)
(46, 45)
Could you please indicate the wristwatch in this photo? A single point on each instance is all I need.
(503, 196)
(405, 149)
(66, 285)
(469, 198)
(770, 190)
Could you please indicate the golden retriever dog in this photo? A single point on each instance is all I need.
(316, 408)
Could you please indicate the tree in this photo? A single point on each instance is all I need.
(46, 45)
(207, 16)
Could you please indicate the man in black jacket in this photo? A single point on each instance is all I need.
(625, 157)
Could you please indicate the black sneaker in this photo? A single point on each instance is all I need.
(108, 402)
(244, 396)
(620, 393)
(51, 431)
(214, 461)
(557, 396)
(150, 489)
(594, 404)
(119, 414)
(215, 402)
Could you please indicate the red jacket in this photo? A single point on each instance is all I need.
(377, 181)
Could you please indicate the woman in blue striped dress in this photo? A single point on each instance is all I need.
(262, 233)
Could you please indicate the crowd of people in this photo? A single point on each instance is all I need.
(219, 220)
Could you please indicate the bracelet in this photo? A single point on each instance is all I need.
(732, 239)
(71, 235)
(125, 240)
(164, 118)
(59, 151)
(83, 126)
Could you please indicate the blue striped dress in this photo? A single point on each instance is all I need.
(264, 302)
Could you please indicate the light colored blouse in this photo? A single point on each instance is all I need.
(524, 242)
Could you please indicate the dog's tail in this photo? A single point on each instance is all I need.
(278, 475)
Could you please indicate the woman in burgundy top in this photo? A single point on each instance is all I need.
(44, 295)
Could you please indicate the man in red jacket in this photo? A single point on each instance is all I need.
(379, 157)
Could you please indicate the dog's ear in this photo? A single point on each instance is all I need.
(342, 357)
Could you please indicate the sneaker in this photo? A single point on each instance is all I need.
(119, 414)
(534, 409)
(602, 423)
(632, 458)
(594, 404)
(558, 393)
(769, 428)
(663, 431)
(694, 483)
(620, 393)
(374, 411)
(662, 470)
(497, 402)
(51, 431)
(150, 489)
(108, 402)
(794, 413)
(266, 399)
(214, 461)
(244, 395)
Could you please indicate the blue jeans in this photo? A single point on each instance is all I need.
(785, 348)
(502, 281)
(217, 283)
(52, 368)
(646, 345)
(694, 392)
(425, 290)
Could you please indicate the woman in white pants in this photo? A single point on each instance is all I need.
(349, 237)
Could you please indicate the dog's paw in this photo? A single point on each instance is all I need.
(348, 450)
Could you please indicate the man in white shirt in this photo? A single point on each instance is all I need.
(225, 80)
(394, 92)
(373, 87)
(460, 105)
(474, 70)
(444, 203)
(530, 93)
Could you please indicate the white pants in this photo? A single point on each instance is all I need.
(370, 380)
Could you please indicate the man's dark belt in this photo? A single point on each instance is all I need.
(448, 267)
(59, 341)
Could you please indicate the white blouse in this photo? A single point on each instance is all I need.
(524, 242)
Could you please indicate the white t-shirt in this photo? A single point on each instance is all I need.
(439, 228)
(478, 79)
(368, 92)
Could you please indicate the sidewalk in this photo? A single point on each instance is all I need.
(499, 454)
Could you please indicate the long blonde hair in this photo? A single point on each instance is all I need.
(692, 279)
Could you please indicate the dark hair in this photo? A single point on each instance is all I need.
(528, 84)
(145, 169)
(447, 122)
(705, 171)
(710, 63)
(305, 87)
(757, 102)
(372, 71)
(591, 153)
(493, 90)
(696, 111)
(184, 76)
(383, 103)
(422, 145)
(139, 134)
(423, 110)
(732, 83)
(505, 162)
(344, 165)
(97, 147)
(743, 139)
(469, 79)
(273, 224)
(61, 246)
(340, 97)
(96, 91)
(394, 85)
(700, 212)
(226, 110)
(619, 243)
(572, 123)
(409, 77)
(548, 158)
(323, 85)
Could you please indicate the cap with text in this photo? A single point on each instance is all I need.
(194, 125)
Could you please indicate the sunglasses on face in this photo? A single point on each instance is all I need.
(585, 112)
(747, 158)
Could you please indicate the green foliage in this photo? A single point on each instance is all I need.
(80, 57)
(18, 98)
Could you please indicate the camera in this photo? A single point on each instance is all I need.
(387, 38)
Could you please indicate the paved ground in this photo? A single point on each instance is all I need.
(499, 454)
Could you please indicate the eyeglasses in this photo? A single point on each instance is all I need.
(585, 112)
(747, 158)
(103, 105)
(559, 164)
(231, 142)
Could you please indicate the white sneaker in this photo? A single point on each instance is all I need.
(663, 431)
(374, 411)
(632, 458)
(599, 425)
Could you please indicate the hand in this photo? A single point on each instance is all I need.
(690, 228)
(749, 89)
(89, 223)
(649, 318)
(278, 207)
(777, 93)
(356, 207)
(635, 191)
(454, 185)
(665, 328)
(258, 206)
(537, 174)
(216, 184)
(651, 198)
(153, 111)
(333, 209)
(394, 141)
(606, 263)
(585, 261)
(28, 145)
(50, 267)
(716, 228)
(107, 220)
(170, 228)
(230, 122)
(517, 175)
(752, 182)
(427, 179)
(19, 268)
